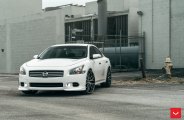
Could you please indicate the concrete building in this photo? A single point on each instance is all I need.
(69, 10)
(23, 37)
(91, 8)
(121, 16)
(17, 8)
(27, 30)
(163, 24)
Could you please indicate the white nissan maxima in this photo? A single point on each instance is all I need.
(68, 67)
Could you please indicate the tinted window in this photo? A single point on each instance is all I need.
(97, 51)
(71, 52)
(94, 50)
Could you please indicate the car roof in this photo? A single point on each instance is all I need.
(72, 45)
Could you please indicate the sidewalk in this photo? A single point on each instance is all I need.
(126, 75)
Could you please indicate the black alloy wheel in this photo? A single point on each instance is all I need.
(90, 82)
(107, 83)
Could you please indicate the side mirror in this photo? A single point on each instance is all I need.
(95, 56)
(35, 56)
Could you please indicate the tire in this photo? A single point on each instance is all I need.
(107, 83)
(30, 92)
(90, 83)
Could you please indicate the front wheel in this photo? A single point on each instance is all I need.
(90, 83)
(107, 83)
(30, 92)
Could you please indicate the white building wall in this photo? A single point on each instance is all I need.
(91, 8)
(117, 5)
(164, 33)
(17, 8)
(155, 23)
(146, 7)
(27, 36)
(161, 38)
(74, 10)
(133, 18)
(177, 33)
(2, 46)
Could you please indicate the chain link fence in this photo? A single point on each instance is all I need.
(124, 52)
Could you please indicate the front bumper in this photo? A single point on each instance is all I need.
(66, 80)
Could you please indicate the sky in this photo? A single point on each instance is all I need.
(52, 3)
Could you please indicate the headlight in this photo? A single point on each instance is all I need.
(22, 71)
(77, 70)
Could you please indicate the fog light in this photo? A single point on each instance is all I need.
(75, 84)
(25, 85)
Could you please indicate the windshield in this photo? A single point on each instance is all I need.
(69, 52)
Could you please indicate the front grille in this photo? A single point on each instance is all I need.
(46, 84)
(46, 73)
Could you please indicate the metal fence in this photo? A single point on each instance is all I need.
(124, 52)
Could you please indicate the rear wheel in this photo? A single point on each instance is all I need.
(90, 83)
(107, 83)
(30, 92)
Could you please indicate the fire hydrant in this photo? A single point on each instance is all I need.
(168, 66)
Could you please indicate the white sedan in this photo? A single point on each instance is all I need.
(68, 67)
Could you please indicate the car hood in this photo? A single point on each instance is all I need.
(53, 62)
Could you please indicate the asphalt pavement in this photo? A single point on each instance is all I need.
(127, 103)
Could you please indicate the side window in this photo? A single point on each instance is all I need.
(94, 50)
(97, 51)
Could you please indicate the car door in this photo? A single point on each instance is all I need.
(98, 64)
(103, 62)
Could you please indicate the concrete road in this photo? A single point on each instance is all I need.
(128, 103)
